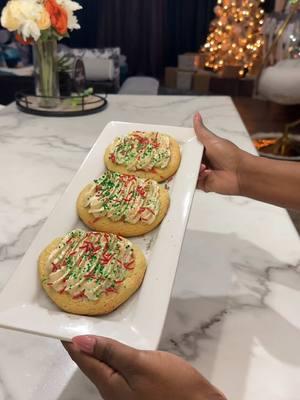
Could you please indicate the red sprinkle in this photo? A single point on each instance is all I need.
(155, 143)
(141, 140)
(112, 157)
(88, 247)
(106, 258)
(127, 266)
(105, 248)
(142, 209)
(111, 290)
(129, 197)
(126, 179)
(141, 191)
(130, 178)
(91, 275)
(55, 267)
(79, 295)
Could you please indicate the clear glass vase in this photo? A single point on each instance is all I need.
(46, 72)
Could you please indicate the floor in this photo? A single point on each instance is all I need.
(263, 116)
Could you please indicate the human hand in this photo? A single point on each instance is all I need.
(121, 372)
(221, 171)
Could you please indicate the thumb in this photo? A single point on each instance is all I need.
(202, 133)
(116, 355)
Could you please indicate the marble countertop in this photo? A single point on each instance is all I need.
(234, 312)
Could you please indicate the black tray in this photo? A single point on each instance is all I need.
(72, 106)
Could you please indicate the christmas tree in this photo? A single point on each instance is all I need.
(235, 37)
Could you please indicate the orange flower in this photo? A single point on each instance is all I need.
(58, 16)
(22, 41)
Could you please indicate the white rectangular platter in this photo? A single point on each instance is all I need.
(23, 304)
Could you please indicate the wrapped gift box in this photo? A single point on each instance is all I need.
(188, 61)
(184, 79)
(201, 81)
(171, 77)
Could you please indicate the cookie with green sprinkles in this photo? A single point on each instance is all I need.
(149, 155)
(91, 273)
(123, 204)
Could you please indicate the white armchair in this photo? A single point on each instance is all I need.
(141, 85)
(281, 82)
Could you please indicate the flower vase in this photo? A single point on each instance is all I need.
(46, 72)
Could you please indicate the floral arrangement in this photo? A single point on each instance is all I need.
(40, 19)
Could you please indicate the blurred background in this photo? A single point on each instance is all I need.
(161, 39)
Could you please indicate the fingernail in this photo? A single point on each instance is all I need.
(197, 116)
(203, 167)
(85, 343)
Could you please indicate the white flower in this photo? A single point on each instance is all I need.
(22, 16)
(29, 17)
(30, 29)
(71, 6)
(9, 19)
(73, 22)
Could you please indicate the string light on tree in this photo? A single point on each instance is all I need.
(235, 37)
